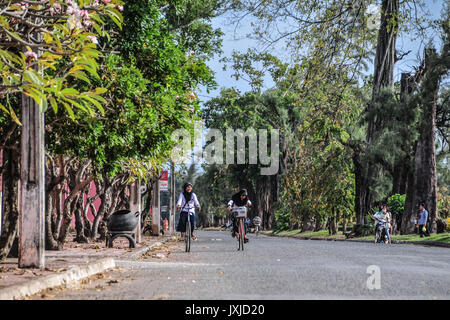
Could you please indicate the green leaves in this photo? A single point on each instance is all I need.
(68, 51)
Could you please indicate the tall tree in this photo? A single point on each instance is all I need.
(383, 79)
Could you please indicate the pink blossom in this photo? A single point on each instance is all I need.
(106, 1)
(120, 8)
(55, 9)
(88, 23)
(31, 55)
(84, 14)
(93, 39)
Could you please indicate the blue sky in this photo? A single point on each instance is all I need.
(234, 39)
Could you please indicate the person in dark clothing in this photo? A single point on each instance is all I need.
(239, 200)
(187, 202)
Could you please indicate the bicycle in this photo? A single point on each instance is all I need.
(240, 214)
(188, 233)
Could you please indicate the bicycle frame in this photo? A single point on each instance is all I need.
(241, 213)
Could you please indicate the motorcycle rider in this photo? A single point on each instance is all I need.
(257, 223)
(239, 199)
(381, 217)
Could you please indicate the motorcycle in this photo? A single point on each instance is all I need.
(381, 235)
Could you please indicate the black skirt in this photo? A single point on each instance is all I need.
(183, 221)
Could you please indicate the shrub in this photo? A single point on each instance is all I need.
(396, 203)
(282, 220)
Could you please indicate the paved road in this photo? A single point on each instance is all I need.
(277, 268)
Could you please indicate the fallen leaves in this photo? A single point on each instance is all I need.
(112, 281)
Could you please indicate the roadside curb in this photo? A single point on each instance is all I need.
(422, 243)
(139, 253)
(73, 274)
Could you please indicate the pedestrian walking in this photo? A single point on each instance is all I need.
(423, 219)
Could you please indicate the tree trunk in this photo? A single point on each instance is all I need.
(402, 167)
(89, 205)
(332, 222)
(79, 221)
(105, 191)
(424, 180)
(10, 203)
(77, 185)
(50, 241)
(264, 201)
(54, 180)
(383, 78)
(344, 224)
(361, 187)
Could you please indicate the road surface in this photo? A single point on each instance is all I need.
(273, 268)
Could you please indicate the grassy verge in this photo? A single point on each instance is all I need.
(323, 234)
(442, 237)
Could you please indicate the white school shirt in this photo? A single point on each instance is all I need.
(231, 202)
(190, 206)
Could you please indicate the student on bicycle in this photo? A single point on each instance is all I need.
(239, 199)
(187, 202)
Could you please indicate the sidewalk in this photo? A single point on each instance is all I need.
(75, 262)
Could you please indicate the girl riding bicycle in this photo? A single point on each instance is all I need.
(187, 202)
(239, 199)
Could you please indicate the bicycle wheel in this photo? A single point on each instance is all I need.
(187, 236)
(241, 234)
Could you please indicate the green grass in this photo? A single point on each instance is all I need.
(323, 234)
(443, 237)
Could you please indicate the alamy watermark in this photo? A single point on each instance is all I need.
(208, 146)
(374, 280)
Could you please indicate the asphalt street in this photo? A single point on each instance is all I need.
(274, 268)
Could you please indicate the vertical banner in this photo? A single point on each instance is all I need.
(164, 181)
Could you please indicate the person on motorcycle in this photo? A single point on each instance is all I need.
(381, 217)
(257, 222)
(239, 199)
(187, 202)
